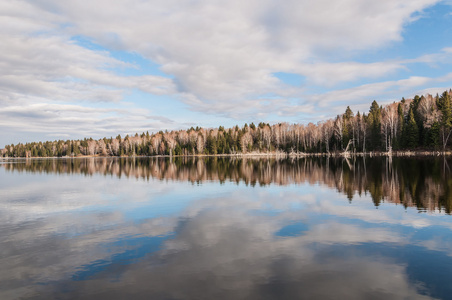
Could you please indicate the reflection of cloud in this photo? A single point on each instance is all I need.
(224, 244)
(53, 249)
(224, 252)
(50, 230)
(437, 243)
(416, 221)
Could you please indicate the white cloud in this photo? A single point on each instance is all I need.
(79, 121)
(228, 50)
(58, 69)
(330, 74)
(360, 97)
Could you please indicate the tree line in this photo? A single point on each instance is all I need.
(423, 122)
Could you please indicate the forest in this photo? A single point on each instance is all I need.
(422, 123)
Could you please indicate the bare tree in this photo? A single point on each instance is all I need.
(246, 142)
(327, 131)
(428, 111)
(155, 142)
(92, 147)
(385, 128)
(171, 142)
(339, 129)
(200, 144)
(114, 147)
(266, 136)
(363, 130)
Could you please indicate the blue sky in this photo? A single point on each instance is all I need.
(72, 70)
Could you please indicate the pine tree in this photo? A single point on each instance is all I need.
(374, 118)
(446, 117)
(411, 131)
(434, 135)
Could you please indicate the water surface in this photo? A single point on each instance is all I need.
(218, 228)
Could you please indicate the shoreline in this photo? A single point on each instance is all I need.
(261, 155)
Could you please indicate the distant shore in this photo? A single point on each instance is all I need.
(261, 155)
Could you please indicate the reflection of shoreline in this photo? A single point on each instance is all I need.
(413, 182)
(247, 155)
(279, 154)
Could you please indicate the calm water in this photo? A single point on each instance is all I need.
(226, 229)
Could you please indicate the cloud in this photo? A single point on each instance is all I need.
(230, 53)
(433, 59)
(360, 97)
(330, 74)
(75, 120)
(60, 70)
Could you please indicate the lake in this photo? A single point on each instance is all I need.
(226, 228)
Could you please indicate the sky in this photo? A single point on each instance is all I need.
(74, 69)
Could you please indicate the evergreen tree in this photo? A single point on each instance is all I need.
(411, 133)
(434, 135)
(446, 117)
(348, 114)
(374, 118)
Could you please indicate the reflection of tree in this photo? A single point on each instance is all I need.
(423, 183)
